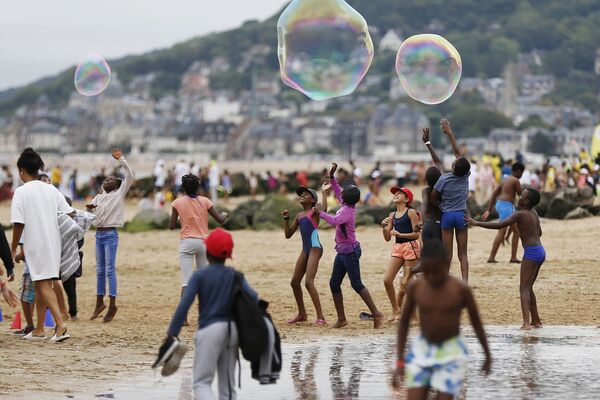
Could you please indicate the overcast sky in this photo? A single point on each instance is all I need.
(42, 37)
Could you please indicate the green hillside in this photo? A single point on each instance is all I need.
(488, 34)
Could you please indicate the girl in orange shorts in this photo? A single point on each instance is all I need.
(402, 225)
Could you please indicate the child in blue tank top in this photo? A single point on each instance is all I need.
(312, 250)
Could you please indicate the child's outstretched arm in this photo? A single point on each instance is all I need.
(447, 129)
(219, 217)
(325, 192)
(494, 225)
(403, 326)
(337, 189)
(434, 157)
(478, 327)
(495, 195)
(343, 217)
(129, 178)
(287, 229)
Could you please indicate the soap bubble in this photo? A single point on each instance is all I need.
(429, 68)
(324, 48)
(92, 75)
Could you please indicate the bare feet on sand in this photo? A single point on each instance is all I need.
(515, 261)
(110, 314)
(394, 317)
(378, 320)
(536, 324)
(490, 261)
(339, 324)
(98, 310)
(526, 327)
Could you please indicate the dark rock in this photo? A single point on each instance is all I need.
(242, 217)
(270, 210)
(585, 193)
(147, 220)
(594, 210)
(559, 208)
(578, 213)
(212, 224)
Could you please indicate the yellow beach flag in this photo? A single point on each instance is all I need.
(595, 149)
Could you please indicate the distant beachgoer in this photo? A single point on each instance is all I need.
(160, 174)
(227, 185)
(401, 225)
(181, 168)
(108, 207)
(312, 250)
(271, 182)
(348, 251)
(504, 198)
(253, 183)
(214, 181)
(56, 176)
(437, 358)
(534, 256)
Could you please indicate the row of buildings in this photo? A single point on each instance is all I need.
(265, 121)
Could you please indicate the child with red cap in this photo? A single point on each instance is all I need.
(401, 225)
(216, 351)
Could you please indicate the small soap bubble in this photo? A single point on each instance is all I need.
(429, 68)
(92, 75)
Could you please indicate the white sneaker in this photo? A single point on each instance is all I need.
(33, 338)
(60, 338)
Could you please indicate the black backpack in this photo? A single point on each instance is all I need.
(253, 336)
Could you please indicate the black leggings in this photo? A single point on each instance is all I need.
(70, 286)
(431, 230)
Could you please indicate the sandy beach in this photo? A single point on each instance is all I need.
(568, 293)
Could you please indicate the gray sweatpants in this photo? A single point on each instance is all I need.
(215, 353)
(188, 249)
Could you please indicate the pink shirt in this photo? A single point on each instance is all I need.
(193, 214)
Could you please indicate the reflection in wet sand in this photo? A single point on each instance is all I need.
(304, 381)
(341, 390)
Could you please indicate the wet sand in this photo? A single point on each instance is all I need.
(568, 293)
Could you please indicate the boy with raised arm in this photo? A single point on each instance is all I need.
(451, 192)
(109, 210)
(437, 358)
(530, 232)
(504, 198)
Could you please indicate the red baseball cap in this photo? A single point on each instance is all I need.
(219, 244)
(404, 190)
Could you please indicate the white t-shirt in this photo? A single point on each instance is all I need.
(213, 176)
(473, 178)
(161, 176)
(36, 205)
(357, 172)
(399, 170)
(181, 169)
(526, 179)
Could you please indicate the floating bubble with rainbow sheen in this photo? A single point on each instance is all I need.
(92, 75)
(429, 68)
(324, 48)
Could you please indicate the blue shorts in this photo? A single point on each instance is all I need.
(505, 209)
(536, 254)
(453, 219)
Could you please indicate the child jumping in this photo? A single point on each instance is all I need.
(451, 192)
(437, 359)
(432, 215)
(348, 251)
(402, 225)
(108, 208)
(312, 250)
(504, 198)
(530, 232)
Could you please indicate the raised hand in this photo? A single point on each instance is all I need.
(326, 186)
(333, 169)
(116, 153)
(285, 214)
(446, 128)
(426, 135)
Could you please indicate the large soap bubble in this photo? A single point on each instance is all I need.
(429, 68)
(324, 48)
(92, 75)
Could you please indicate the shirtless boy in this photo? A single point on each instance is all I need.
(504, 198)
(530, 231)
(437, 358)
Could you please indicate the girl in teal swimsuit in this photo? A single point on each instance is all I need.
(312, 250)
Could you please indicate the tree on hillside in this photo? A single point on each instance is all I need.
(541, 143)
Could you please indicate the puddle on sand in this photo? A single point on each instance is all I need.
(556, 362)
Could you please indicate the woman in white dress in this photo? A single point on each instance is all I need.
(34, 210)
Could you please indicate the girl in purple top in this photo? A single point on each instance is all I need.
(348, 251)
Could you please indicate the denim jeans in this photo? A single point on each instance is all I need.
(350, 264)
(106, 257)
